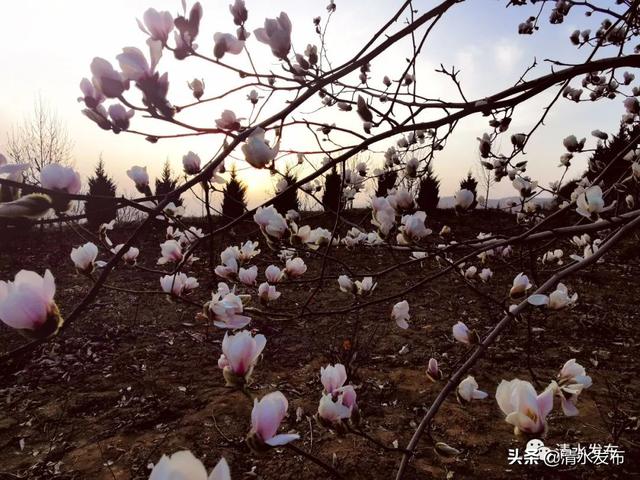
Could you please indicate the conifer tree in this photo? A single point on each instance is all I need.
(100, 210)
(234, 202)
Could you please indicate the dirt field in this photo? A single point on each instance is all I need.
(136, 376)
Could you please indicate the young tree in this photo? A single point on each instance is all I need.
(471, 184)
(288, 201)
(234, 201)
(167, 183)
(428, 191)
(41, 139)
(332, 196)
(100, 210)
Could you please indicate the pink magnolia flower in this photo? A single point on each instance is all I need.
(229, 268)
(185, 466)
(400, 314)
(178, 284)
(240, 353)
(191, 163)
(226, 310)
(90, 95)
(433, 371)
(248, 250)
(271, 223)
(267, 292)
(333, 377)
(295, 267)
(266, 416)
(239, 12)
(524, 409)
(273, 274)
(158, 25)
(83, 257)
(226, 43)
(120, 117)
(277, 34)
(248, 276)
(106, 80)
(134, 64)
(27, 302)
(170, 251)
(332, 410)
(130, 256)
(228, 121)
(58, 177)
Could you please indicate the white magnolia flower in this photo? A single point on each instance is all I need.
(271, 223)
(248, 276)
(178, 284)
(557, 300)
(171, 251)
(191, 163)
(84, 257)
(295, 267)
(184, 466)
(226, 43)
(463, 199)
(267, 292)
(273, 274)
(520, 285)
(140, 177)
(58, 177)
(365, 286)
(590, 202)
(346, 284)
(468, 390)
(485, 275)
(571, 380)
(277, 34)
(462, 334)
(524, 409)
(400, 314)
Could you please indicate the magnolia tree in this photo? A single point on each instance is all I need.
(395, 116)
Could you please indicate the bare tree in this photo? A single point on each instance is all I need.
(486, 179)
(41, 139)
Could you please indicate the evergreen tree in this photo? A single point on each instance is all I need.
(386, 181)
(605, 153)
(332, 191)
(167, 183)
(234, 202)
(288, 201)
(99, 210)
(471, 184)
(429, 192)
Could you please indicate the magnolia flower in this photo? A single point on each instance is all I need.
(58, 177)
(524, 409)
(572, 379)
(366, 286)
(463, 199)
(178, 284)
(140, 177)
(384, 215)
(557, 300)
(433, 371)
(226, 43)
(266, 416)
(229, 267)
(333, 409)
(413, 228)
(106, 80)
(90, 95)
(228, 121)
(462, 334)
(158, 25)
(468, 390)
(184, 466)
(400, 314)
(248, 276)
(273, 274)
(84, 257)
(240, 354)
(572, 144)
(520, 285)
(267, 293)
(130, 256)
(239, 12)
(333, 377)
(401, 199)
(191, 163)
(257, 151)
(197, 87)
(346, 285)
(485, 275)
(226, 309)
(590, 202)
(277, 34)
(27, 303)
(470, 272)
(170, 251)
(446, 230)
(295, 267)
(135, 67)
(248, 250)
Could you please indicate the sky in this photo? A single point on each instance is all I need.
(49, 44)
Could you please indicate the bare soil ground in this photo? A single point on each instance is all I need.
(136, 376)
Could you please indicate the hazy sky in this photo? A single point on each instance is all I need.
(49, 44)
